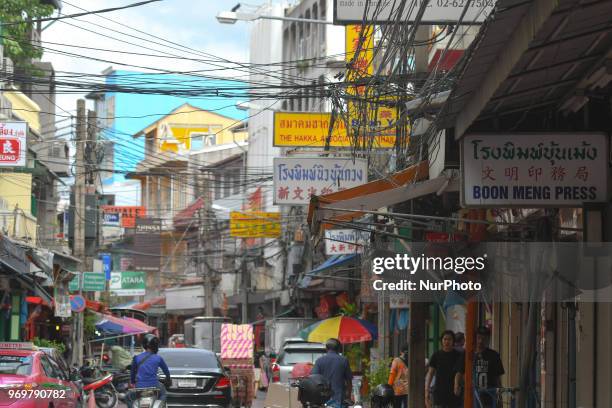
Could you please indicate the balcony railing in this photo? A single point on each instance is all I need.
(18, 224)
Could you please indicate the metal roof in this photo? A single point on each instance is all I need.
(529, 54)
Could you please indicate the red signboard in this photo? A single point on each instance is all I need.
(128, 213)
(10, 150)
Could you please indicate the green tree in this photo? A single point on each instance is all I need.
(15, 17)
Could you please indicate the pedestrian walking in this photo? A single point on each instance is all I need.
(336, 370)
(488, 369)
(442, 365)
(399, 379)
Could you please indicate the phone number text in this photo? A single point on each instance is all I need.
(36, 394)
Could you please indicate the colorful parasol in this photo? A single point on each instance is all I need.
(111, 325)
(346, 329)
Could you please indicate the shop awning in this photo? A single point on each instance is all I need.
(530, 55)
(334, 261)
(403, 186)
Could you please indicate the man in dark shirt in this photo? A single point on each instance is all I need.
(442, 364)
(336, 371)
(488, 369)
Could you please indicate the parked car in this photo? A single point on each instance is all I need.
(29, 379)
(290, 341)
(198, 378)
(293, 354)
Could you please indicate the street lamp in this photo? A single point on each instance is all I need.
(230, 17)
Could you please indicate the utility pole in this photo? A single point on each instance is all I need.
(79, 222)
(203, 267)
(245, 290)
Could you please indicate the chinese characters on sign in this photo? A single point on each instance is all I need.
(255, 224)
(296, 180)
(345, 241)
(13, 144)
(534, 169)
(311, 130)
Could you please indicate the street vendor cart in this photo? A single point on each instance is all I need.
(237, 355)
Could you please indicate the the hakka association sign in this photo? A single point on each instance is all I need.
(296, 180)
(534, 170)
(13, 136)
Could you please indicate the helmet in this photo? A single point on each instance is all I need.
(314, 390)
(382, 395)
(301, 370)
(150, 342)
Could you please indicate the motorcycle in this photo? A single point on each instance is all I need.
(121, 382)
(147, 398)
(99, 384)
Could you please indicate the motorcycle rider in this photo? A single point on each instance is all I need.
(143, 372)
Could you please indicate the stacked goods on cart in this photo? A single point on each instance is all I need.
(237, 355)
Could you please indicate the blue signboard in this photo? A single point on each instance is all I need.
(107, 262)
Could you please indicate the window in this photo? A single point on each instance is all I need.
(48, 368)
(202, 140)
(315, 32)
(227, 184)
(189, 359)
(237, 181)
(18, 365)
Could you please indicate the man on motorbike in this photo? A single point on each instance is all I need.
(144, 369)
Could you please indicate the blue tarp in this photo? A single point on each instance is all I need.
(331, 262)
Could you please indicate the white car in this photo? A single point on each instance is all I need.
(293, 354)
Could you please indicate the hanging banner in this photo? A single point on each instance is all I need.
(345, 241)
(13, 144)
(297, 179)
(311, 129)
(255, 224)
(387, 11)
(534, 170)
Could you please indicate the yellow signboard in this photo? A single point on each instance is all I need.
(255, 224)
(310, 129)
(361, 62)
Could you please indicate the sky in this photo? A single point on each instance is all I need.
(186, 23)
(190, 23)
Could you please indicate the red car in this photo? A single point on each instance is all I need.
(28, 379)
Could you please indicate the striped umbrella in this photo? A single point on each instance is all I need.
(346, 329)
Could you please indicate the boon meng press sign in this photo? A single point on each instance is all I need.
(534, 170)
(13, 144)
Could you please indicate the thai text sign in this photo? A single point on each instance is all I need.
(236, 341)
(297, 179)
(345, 241)
(128, 283)
(92, 282)
(311, 129)
(255, 224)
(13, 145)
(534, 170)
(386, 11)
